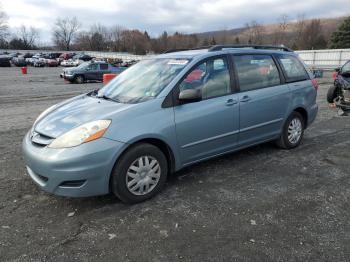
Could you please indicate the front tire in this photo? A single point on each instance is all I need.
(79, 79)
(139, 174)
(293, 131)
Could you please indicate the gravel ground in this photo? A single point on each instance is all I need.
(260, 204)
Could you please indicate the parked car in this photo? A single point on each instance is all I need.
(5, 61)
(66, 56)
(39, 62)
(168, 112)
(89, 71)
(82, 57)
(52, 56)
(51, 62)
(19, 61)
(339, 93)
(70, 63)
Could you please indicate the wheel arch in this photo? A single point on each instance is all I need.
(304, 114)
(162, 145)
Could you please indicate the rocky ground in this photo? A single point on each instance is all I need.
(260, 204)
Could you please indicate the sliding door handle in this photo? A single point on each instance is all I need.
(231, 102)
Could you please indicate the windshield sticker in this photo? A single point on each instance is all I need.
(177, 62)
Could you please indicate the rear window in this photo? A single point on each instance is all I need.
(293, 68)
(256, 71)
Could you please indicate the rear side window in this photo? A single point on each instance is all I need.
(256, 71)
(293, 68)
(104, 66)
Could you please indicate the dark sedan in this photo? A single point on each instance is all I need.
(89, 71)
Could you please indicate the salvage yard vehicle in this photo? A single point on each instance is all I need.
(69, 63)
(168, 112)
(339, 94)
(89, 71)
(5, 61)
(19, 61)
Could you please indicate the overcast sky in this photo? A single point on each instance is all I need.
(156, 16)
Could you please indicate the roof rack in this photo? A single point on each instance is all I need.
(220, 47)
(187, 49)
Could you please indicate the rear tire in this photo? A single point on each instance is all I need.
(79, 79)
(293, 131)
(134, 180)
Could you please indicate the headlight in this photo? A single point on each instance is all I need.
(81, 134)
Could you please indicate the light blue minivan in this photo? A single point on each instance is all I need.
(168, 112)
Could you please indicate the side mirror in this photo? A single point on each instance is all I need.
(337, 69)
(190, 95)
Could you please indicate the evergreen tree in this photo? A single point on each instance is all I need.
(341, 37)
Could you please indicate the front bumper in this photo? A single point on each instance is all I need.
(68, 77)
(75, 172)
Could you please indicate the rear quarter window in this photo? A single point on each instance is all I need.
(293, 68)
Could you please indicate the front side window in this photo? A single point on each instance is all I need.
(212, 77)
(144, 80)
(93, 67)
(293, 68)
(256, 71)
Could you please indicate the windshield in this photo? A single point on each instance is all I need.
(83, 65)
(143, 81)
(346, 68)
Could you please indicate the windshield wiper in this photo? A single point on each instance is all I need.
(108, 98)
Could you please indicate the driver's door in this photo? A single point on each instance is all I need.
(92, 72)
(208, 127)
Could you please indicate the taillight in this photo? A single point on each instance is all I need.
(314, 83)
(334, 75)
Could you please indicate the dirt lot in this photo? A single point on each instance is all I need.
(260, 204)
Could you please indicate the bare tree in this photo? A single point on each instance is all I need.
(117, 37)
(255, 32)
(280, 33)
(299, 30)
(28, 36)
(313, 36)
(64, 32)
(3, 23)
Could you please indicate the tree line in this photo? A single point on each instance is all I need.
(68, 34)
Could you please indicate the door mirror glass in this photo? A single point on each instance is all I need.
(190, 95)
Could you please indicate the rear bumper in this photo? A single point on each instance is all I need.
(75, 172)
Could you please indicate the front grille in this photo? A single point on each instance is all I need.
(40, 139)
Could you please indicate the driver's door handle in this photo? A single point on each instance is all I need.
(245, 99)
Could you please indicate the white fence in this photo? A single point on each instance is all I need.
(325, 59)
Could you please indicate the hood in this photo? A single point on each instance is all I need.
(76, 112)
